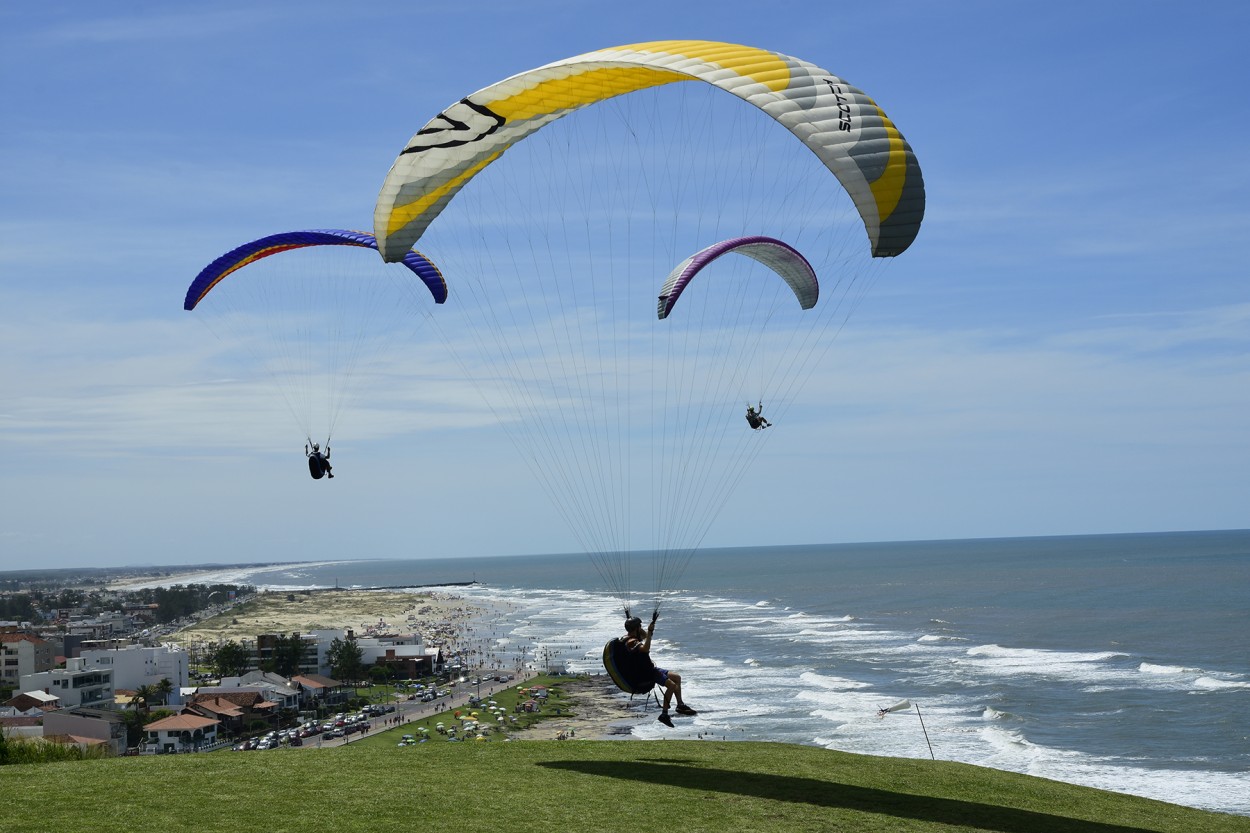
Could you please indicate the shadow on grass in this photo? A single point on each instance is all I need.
(845, 796)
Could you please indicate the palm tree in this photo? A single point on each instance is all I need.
(164, 688)
(135, 734)
(144, 696)
(135, 720)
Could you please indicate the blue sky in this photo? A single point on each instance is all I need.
(1065, 349)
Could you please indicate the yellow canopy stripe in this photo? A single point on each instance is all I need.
(759, 65)
(579, 89)
(887, 189)
(402, 215)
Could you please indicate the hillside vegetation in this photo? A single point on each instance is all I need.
(567, 786)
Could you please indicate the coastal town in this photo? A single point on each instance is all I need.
(236, 668)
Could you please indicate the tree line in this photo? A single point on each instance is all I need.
(34, 605)
(183, 600)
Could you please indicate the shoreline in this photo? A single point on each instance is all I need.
(595, 708)
(816, 705)
(207, 574)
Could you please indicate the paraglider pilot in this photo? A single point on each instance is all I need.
(638, 639)
(318, 462)
(755, 416)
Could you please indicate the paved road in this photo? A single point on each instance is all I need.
(408, 711)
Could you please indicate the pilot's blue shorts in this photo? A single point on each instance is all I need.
(661, 675)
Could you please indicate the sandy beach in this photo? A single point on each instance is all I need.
(595, 711)
(440, 618)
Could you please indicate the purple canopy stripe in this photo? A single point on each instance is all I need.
(781, 257)
(236, 259)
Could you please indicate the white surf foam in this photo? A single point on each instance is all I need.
(1215, 684)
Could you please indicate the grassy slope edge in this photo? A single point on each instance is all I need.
(564, 786)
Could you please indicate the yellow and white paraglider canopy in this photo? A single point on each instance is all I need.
(845, 128)
(554, 253)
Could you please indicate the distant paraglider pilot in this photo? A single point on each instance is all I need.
(318, 462)
(638, 639)
(755, 416)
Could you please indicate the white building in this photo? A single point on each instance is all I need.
(75, 684)
(102, 626)
(275, 687)
(374, 648)
(22, 654)
(377, 649)
(324, 639)
(136, 665)
(180, 733)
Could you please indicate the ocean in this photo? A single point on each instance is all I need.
(1114, 661)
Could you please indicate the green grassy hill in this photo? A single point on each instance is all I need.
(617, 786)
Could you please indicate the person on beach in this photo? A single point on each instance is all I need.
(755, 418)
(639, 639)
